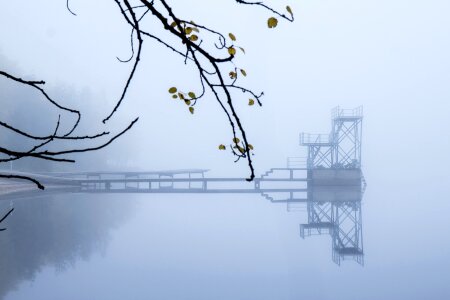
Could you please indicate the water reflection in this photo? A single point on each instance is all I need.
(55, 231)
(343, 222)
(60, 229)
(336, 184)
(334, 211)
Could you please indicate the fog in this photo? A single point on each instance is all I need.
(389, 56)
(45, 232)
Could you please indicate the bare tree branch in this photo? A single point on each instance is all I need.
(35, 84)
(138, 56)
(196, 41)
(10, 176)
(4, 217)
(261, 4)
(68, 8)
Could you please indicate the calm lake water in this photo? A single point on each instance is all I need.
(225, 246)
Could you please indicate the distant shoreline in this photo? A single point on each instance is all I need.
(8, 187)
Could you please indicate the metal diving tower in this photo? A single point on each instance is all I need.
(336, 184)
(341, 148)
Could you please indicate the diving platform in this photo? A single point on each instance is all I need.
(183, 181)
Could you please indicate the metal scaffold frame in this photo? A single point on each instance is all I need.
(319, 219)
(347, 232)
(332, 159)
(343, 222)
(342, 147)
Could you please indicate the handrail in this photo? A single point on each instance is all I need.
(338, 112)
(293, 162)
(313, 138)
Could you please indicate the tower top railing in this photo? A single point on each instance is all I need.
(313, 138)
(338, 112)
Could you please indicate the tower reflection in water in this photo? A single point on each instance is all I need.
(336, 212)
(335, 184)
(331, 210)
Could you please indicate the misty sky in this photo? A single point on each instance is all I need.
(390, 56)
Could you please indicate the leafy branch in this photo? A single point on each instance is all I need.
(213, 66)
(211, 52)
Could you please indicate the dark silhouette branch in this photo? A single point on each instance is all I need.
(132, 49)
(57, 137)
(4, 217)
(11, 176)
(261, 4)
(68, 8)
(210, 51)
(203, 59)
(35, 84)
(55, 153)
(36, 151)
(138, 56)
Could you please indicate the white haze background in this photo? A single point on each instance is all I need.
(392, 57)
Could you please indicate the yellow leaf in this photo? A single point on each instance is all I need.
(242, 49)
(222, 147)
(193, 38)
(272, 22)
(236, 140)
(173, 24)
(232, 51)
(241, 150)
(243, 72)
(192, 95)
(181, 96)
(232, 37)
(195, 29)
(232, 75)
(188, 30)
(188, 102)
(174, 96)
(250, 146)
(191, 109)
(288, 8)
(173, 90)
(251, 102)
